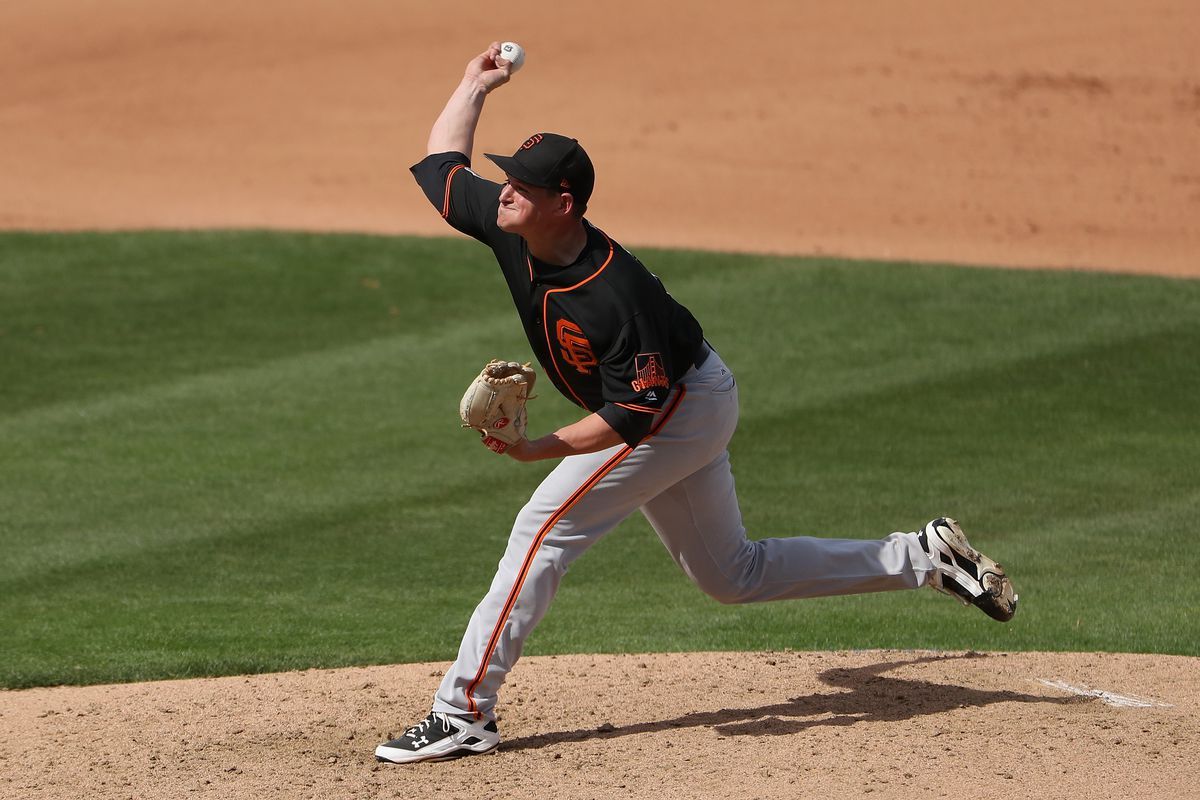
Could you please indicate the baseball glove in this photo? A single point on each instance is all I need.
(494, 403)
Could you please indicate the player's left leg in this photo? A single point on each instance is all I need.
(571, 510)
(579, 502)
(574, 506)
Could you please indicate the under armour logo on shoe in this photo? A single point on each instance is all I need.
(424, 740)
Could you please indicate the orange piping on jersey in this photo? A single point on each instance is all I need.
(632, 407)
(667, 416)
(546, 322)
(530, 263)
(446, 204)
(542, 533)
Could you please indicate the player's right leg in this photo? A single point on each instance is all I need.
(966, 574)
(699, 522)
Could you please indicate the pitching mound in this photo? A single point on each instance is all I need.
(763, 725)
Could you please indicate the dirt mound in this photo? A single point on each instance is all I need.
(763, 725)
(1020, 133)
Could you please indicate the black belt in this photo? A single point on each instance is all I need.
(702, 354)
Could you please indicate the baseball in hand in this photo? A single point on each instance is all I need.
(513, 53)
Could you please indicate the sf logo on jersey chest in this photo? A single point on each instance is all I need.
(576, 350)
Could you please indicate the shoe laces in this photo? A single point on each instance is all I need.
(420, 727)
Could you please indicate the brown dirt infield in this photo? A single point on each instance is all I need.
(1020, 133)
(761, 725)
(1012, 134)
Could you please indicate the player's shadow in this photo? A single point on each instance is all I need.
(871, 696)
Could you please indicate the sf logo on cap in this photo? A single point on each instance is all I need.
(531, 141)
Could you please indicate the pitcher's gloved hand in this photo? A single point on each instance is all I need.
(494, 403)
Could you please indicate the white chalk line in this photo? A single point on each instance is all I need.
(1109, 698)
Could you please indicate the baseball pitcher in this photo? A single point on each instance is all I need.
(658, 407)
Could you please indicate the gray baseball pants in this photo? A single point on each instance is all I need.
(680, 479)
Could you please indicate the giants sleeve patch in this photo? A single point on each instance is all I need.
(650, 373)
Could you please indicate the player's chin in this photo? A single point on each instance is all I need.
(507, 222)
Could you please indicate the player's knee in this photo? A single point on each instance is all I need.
(552, 551)
(731, 598)
(528, 518)
(527, 525)
(723, 590)
(738, 582)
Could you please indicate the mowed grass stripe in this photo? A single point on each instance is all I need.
(1086, 495)
(241, 437)
(266, 408)
(94, 313)
(270, 472)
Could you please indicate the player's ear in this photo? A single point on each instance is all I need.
(566, 203)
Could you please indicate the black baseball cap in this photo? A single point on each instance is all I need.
(551, 161)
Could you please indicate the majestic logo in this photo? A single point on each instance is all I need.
(650, 372)
(576, 349)
(531, 141)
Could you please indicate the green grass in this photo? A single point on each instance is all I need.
(233, 452)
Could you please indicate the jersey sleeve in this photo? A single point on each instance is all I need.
(635, 379)
(465, 200)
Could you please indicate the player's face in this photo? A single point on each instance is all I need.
(524, 208)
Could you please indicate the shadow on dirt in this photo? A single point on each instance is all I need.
(869, 696)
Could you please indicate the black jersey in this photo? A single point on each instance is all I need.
(603, 328)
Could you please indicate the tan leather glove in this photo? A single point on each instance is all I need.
(494, 403)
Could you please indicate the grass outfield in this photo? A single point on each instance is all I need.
(239, 452)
